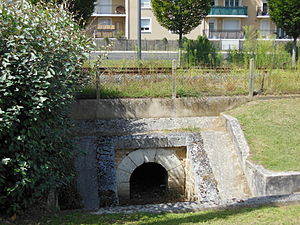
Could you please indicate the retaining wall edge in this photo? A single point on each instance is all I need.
(261, 181)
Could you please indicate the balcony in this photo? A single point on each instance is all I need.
(224, 11)
(270, 34)
(262, 12)
(108, 31)
(116, 10)
(224, 34)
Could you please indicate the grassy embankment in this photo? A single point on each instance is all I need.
(272, 131)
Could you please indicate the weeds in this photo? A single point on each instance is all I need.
(204, 74)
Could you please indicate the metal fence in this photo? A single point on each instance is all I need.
(154, 81)
(131, 45)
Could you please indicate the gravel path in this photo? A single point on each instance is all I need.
(182, 207)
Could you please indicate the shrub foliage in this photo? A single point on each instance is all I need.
(199, 52)
(41, 53)
(81, 9)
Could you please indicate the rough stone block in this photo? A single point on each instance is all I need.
(122, 176)
(177, 141)
(137, 157)
(177, 173)
(127, 165)
(167, 159)
(149, 155)
(123, 191)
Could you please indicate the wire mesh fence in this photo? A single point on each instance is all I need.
(155, 80)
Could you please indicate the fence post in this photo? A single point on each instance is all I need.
(251, 80)
(97, 84)
(174, 78)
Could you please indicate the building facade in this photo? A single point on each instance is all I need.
(118, 18)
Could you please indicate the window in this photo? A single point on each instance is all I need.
(212, 29)
(211, 25)
(232, 3)
(145, 4)
(231, 25)
(265, 31)
(146, 24)
(104, 6)
(265, 9)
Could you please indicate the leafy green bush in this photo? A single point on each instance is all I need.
(236, 57)
(289, 48)
(199, 52)
(41, 53)
(267, 53)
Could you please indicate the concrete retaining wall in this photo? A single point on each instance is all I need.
(153, 107)
(262, 182)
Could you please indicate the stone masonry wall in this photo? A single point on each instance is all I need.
(174, 151)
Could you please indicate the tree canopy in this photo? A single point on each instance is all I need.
(81, 9)
(180, 16)
(286, 15)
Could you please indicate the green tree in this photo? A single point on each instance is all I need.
(41, 54)
(180, 16)
(81, 9)
(286, 15)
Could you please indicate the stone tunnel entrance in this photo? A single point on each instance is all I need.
(151, 175)
(148, 184)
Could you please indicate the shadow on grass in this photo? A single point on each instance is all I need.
(200, 217)
(155, 219)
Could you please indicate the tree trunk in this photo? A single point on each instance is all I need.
(180, 50)
(294, 52)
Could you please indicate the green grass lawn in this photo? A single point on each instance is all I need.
(261, 215)
(272, 129)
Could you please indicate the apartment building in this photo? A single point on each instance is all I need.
(118, 18)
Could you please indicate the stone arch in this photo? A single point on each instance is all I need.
(166, 158)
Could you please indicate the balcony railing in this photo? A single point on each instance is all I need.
(231, 11)
(262, 12)
(225, 34)
(240, 34)
(109, 9)
(273, 34)
(108, 31)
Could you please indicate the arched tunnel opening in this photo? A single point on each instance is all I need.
(148, 184)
